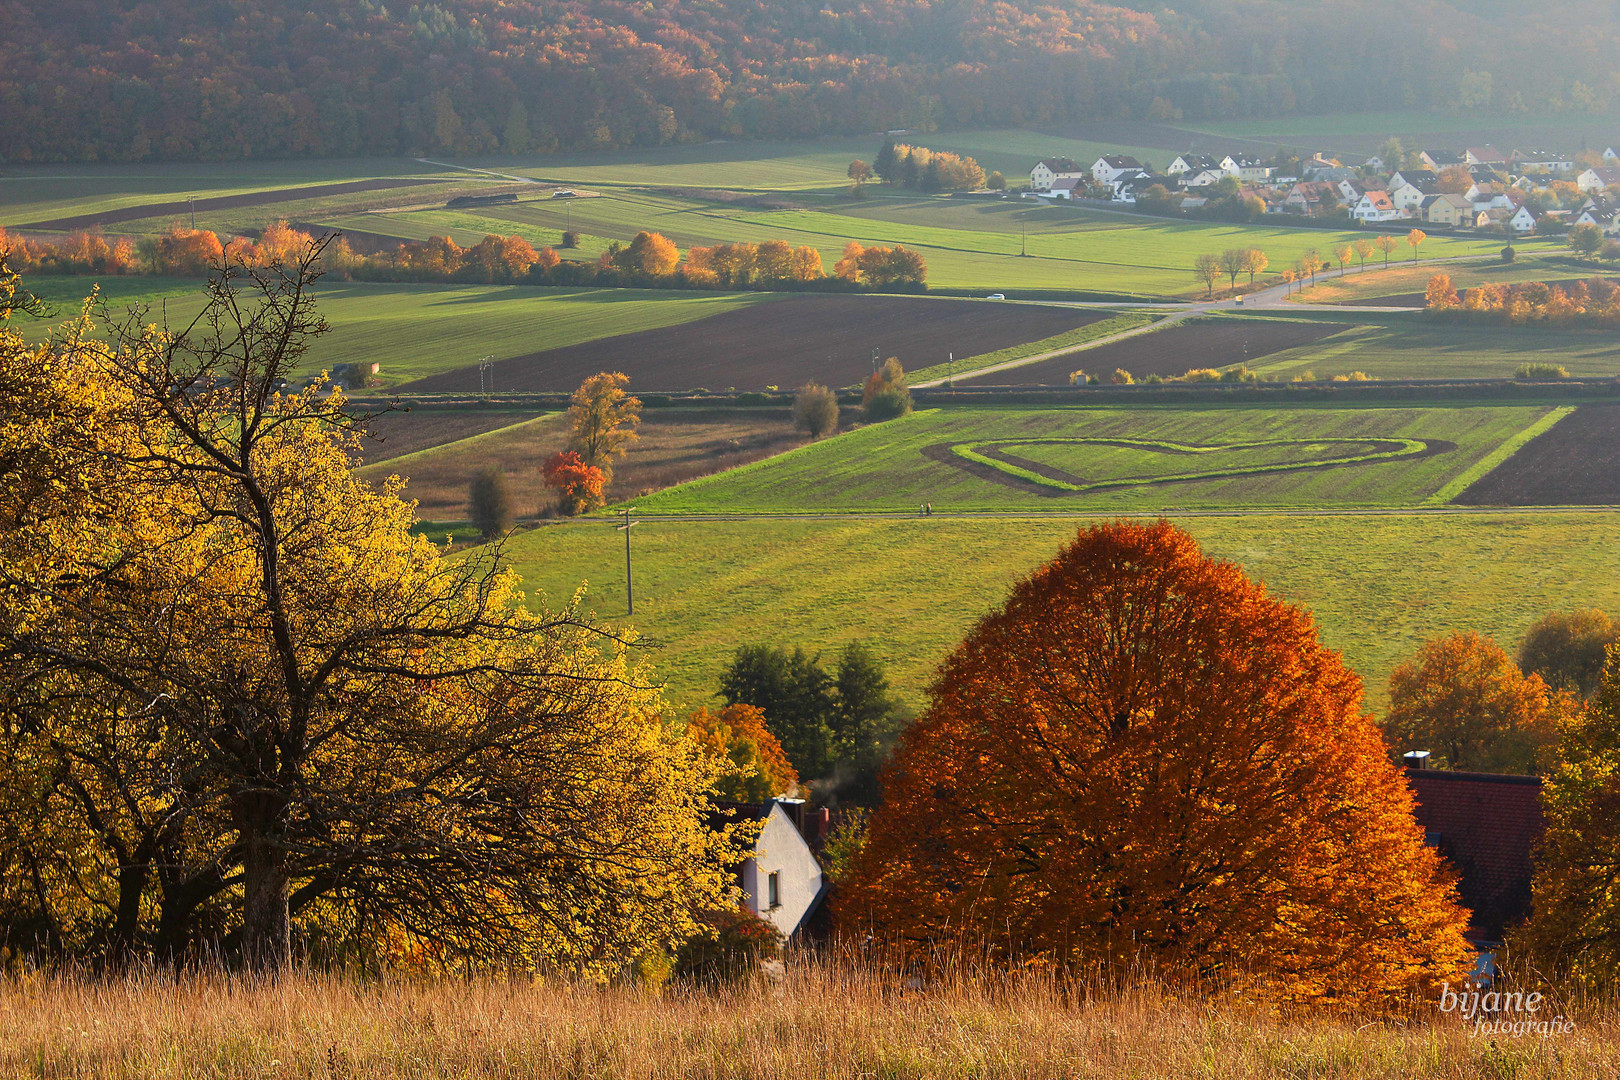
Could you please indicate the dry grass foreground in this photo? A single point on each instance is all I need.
(822, 1020)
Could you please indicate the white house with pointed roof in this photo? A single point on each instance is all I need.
(1047, 170)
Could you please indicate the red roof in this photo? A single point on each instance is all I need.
(1487, 826)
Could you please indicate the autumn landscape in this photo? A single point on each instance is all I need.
(720, 540)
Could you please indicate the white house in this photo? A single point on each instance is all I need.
(1523, 220)
(1440, 159)
(1494, 197)
(1351, 190)
(1612, 155)
(1192, 163)
(781, 881)
(1599, 179)
(1064, 187)
(1408, 198)
(1542, 162)
(1202, 178)
(1047, 170)
(1374, 206)
(1249, 170)
(1600, 212)
(1374, 163)
(1110, 167)
(1417, 177)
(1484, 155)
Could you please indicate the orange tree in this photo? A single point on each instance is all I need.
(1143, 753)
(756, 766)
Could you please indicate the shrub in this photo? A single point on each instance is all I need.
(815, 410)
(569, 240)
(1354, 376)
(1508, 254)
(1203, 374)
(886, 395)
(753, 397)
(729, 948)
(1077, 378)
(1123, 377)
(1239, 374)
(1541, 370)
(578, 485)
(489, 502)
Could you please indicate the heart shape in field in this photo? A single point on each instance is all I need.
(1079, 465)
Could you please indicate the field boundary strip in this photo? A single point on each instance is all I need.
(1076, 340)
(1401, 447)
(1506, 449)
(462, 443)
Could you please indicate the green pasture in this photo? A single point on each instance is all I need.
(1415, 346)
(902, 463)
(40, 192)
(1378, 584)
(418, 330)
(976, 244)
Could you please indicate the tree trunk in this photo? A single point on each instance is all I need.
(266, 924)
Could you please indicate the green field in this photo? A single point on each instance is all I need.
(417, 330)
(1379, 584)
(1003, 245)
(1413, 346)
(1214, 464)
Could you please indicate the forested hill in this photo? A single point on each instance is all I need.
(184, 79)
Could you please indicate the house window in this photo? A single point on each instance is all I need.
(773, 890)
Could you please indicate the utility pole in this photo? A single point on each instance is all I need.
(874, 361)
(1023, 251)
(629, 585)
(486, 375)
(191, 201)
(950, 371)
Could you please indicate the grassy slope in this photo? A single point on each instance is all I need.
(967, 245)
(1410, 346)
(1378, 585)
(416, 330)
(882, 467)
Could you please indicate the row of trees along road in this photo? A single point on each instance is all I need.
(237, 694)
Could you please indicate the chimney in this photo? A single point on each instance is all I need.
(795, 811)
(1416, 759)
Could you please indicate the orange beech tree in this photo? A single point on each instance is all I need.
(1142, 753)
(757, 767)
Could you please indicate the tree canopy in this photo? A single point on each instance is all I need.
(244, 710)
(1143, 753)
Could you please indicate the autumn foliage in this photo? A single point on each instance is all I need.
(1143, 753)
(757, 768)
(578, 485)
(1594, 303)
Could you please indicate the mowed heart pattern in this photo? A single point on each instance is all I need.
(1080, 465)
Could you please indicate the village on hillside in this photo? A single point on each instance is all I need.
(1478, 188)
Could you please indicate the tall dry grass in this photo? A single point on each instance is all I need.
(824, 1019)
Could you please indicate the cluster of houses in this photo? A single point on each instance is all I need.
(1495, 187)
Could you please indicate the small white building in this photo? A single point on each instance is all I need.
(1611, 155)
(1542, 162)
(1107, 169)
(1048, 170)
(1192, 163)
(782, 882)
(1373, 206)
(1599, 179)
(1202, 178)
(1523, 220)
(1065, 187)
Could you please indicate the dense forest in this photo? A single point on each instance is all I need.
(85, 80)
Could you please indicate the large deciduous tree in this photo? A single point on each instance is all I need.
(1143, 753)
(602, 419)
(1575, 930)
(240, 700)
(1462, 698)
(1567, 649)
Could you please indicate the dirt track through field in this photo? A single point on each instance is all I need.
(220, 202)
(785, 342)
(1171, 351)
(1576, 462)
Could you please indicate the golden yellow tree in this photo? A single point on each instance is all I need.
(602, 420)
(1141, 753)
(239, 693)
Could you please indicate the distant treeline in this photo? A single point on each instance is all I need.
(219, 79)
(649, 259)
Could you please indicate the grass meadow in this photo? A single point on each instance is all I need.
(1379, 584)
(821, 1020)
(902, 463)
